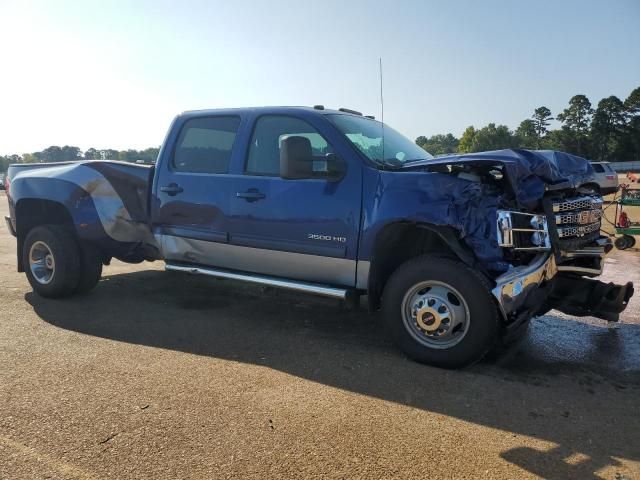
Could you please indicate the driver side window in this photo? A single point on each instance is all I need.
(268, 133)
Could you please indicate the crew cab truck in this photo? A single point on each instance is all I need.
(459, 252)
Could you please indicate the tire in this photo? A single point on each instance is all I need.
(52, 261)
(624, 242)
(90, 268)
(469, 321)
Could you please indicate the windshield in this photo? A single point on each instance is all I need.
(366, 135)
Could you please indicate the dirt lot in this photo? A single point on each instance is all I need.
(158, 375)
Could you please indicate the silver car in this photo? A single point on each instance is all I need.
(606, 177)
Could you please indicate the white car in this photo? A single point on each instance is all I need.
(606, 177)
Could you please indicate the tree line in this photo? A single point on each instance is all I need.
(66, 153)
(610, 132)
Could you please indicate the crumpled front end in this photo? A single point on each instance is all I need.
(546, 243)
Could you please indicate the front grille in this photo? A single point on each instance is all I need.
(586, 216)
(579, 203)
(574, 231)
(577, 220)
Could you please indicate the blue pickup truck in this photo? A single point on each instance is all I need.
(459, 252)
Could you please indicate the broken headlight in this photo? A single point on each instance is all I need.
(523, 231)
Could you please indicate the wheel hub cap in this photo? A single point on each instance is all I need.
(428, 319)
(435, 314)
(42, 262)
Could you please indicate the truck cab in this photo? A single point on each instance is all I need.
(459, 252)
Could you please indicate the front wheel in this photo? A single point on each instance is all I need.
(440, 312)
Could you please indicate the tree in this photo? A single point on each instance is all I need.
(466, 141)
(608, 126)
(576, 121)
(632, 103)
(438, 144)
(92, 154)
(58, 154)
(29, 158)
(541, 120)
(493, 137)
(527, 135)
(631, 143)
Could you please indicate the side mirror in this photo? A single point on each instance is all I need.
(297, 161)
(296, 158)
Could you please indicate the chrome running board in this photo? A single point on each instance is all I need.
(323, 290)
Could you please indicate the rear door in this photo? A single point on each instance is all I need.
(302, 229)
(193, 189)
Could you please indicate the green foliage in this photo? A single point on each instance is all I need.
(439, 144)
(493, 137)
(608, 126)
(576, 121)
(67, 153)
(632, 103)
(466, 142)
(541, 120)
(610, 132)
(527, 135)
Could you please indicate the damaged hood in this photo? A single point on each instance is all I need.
(530, 172)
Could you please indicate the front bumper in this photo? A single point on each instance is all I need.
(9, 223)
(534, 289)
(514, 289)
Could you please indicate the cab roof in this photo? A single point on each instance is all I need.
(317, 110)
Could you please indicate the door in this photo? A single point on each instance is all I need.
(301, 229)
(194, 188)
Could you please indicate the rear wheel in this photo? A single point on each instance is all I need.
(51, 259)
(440, 312)
(90, 268)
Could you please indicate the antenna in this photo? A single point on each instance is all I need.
(382, 110)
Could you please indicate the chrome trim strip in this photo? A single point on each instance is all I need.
(569, 268)
(585, 252)
(323, 290)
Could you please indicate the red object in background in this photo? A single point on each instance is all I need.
(633, 177)
(623, 220)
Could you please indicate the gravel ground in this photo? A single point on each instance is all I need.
(158, 375)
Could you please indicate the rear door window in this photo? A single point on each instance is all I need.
(205, 145)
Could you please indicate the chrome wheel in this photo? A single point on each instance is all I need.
(42, 262)
(435, 314)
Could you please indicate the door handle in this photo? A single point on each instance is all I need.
(251, 195)
(172, 189)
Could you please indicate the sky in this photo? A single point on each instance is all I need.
(113, 74)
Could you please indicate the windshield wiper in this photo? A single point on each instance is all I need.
(391, 163)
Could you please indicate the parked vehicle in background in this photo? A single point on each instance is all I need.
(458, 252)
(2, 177)
(606, 177)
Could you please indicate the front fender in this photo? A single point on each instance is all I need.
(437, 201)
